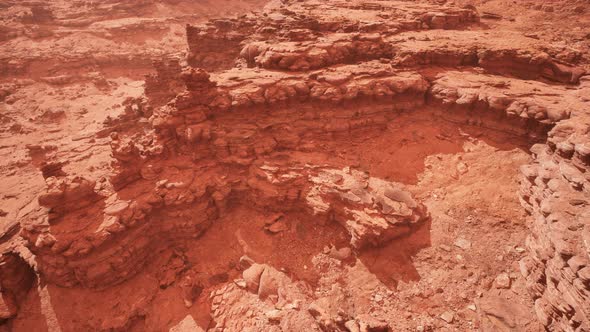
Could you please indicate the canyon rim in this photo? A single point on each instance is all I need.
(250, 165)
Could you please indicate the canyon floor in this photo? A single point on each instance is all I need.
(288, 165)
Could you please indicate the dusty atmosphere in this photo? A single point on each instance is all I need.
(294, 165)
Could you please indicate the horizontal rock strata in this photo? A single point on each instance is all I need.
(262, 89)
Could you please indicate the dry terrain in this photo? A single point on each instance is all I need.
(320, 165)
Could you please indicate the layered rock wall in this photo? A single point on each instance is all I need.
(264, 89)
(555, 190)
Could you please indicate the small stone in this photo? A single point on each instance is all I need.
(463, 243)
(116, 208)
(277, 227)
(502, 281)
(519, 250)
(448, 316)
(462, 168)
(173, 185)
(252, 277)
(577, 202)
(295, 305)
(240, 283)
(45, 240)
(273, 315)
(445, 247)
(472, 307)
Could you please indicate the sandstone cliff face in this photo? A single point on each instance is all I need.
(555, 191)
(266, 113)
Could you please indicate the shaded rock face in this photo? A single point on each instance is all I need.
(16, 278)
(165, 83)
(265, 112)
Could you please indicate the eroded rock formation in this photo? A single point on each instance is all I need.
(265, 115)
(555, 191)
(16, 279)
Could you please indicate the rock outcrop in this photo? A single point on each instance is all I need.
(16, 278)
(274, 111)
(554, 190)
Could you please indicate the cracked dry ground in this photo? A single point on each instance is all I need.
(308, 165)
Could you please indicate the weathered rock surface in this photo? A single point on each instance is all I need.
(373, 211)
(555, 192)
(16, 278)
(279, 122)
